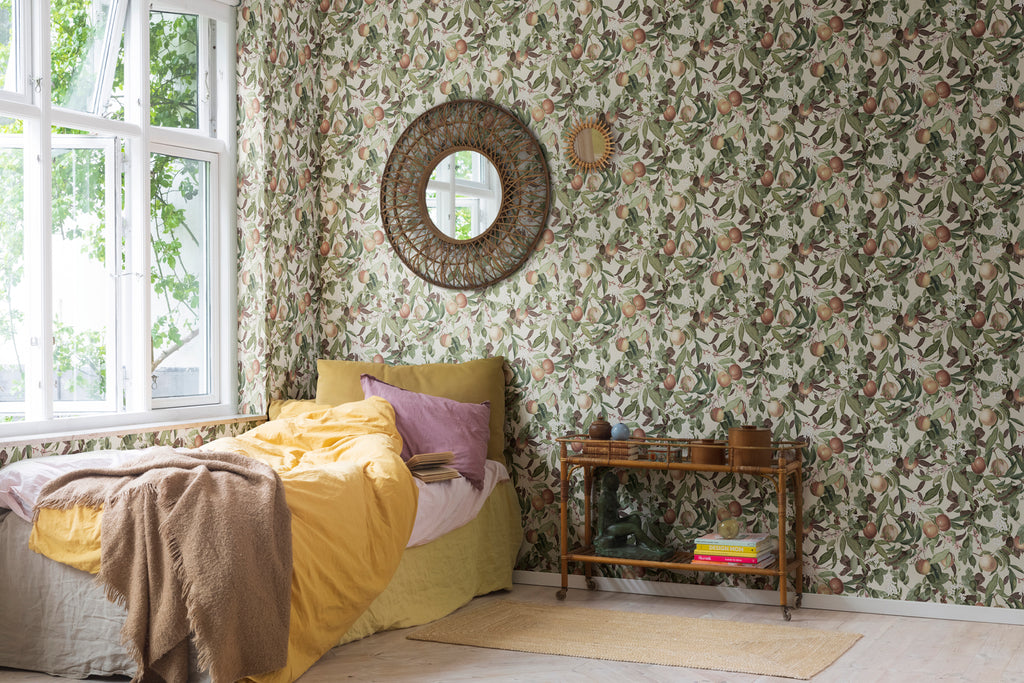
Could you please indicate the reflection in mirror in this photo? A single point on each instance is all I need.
(463, 195)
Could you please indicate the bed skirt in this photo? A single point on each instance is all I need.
(439, 577)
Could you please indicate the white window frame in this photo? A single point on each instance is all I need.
(22, 93)
(106, 53)
(212, 249)
(214, 140)
(110, 147)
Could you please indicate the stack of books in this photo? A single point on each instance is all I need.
(621, 450)
(431, 467)
(746, 550)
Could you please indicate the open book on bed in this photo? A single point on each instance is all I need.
(430, 467)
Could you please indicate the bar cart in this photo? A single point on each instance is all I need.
(669, 454)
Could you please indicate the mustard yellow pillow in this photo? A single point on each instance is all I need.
(474, 381)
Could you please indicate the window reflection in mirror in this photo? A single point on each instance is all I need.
(463, 194)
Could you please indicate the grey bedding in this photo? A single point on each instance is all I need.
(54, 618)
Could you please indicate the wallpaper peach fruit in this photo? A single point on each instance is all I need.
(811, 221)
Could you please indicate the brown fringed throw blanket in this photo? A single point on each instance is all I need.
(192, 542)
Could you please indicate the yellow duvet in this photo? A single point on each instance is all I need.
(353, 505)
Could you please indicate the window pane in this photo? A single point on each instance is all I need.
(83, 284)
(8, 56)
(180, 226)
(174, 70)
(86, 41)
(13, 289)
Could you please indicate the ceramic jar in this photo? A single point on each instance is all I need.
(621, 432)
(750, 446)
(600, 429)
(707, 452)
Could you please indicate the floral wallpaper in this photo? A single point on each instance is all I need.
(812, 221)
(279, 147)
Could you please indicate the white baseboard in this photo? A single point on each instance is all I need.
(899, 608)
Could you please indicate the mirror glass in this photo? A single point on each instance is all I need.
(589, 145)
(463, 194)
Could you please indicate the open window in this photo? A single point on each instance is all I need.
(14, 57)
(86, 44)
(181, 306)
(116, 213)
(84, 252)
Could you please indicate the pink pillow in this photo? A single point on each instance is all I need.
(430, 423)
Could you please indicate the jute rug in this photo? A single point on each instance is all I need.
(764, 649)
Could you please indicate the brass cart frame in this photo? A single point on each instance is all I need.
(673, 454)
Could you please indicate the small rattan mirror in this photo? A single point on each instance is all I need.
(413, 200)
(588, 144)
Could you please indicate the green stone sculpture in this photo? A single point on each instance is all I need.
(615, 530)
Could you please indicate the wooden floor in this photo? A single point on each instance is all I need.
(897, 649)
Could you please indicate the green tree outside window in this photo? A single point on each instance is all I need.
(174, 87)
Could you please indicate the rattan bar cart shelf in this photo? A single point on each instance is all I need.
(669, 454)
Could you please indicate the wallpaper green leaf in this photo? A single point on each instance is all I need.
(812, 221)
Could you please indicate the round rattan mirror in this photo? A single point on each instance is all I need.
(411, 198)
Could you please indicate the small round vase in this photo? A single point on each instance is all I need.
(620, 432)
(730, 528)
(600, 429)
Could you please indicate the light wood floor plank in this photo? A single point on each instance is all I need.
(893, 650)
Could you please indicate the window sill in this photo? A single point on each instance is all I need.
(52, 436)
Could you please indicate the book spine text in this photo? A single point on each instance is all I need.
(743, 551)
(729, 558)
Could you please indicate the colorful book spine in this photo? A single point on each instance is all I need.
(730, 559)
(739, 550)
(767, 561)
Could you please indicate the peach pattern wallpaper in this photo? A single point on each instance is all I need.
(811, 221)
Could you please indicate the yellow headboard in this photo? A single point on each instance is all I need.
(474, 381)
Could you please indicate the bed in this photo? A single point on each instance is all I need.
(65, 625)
